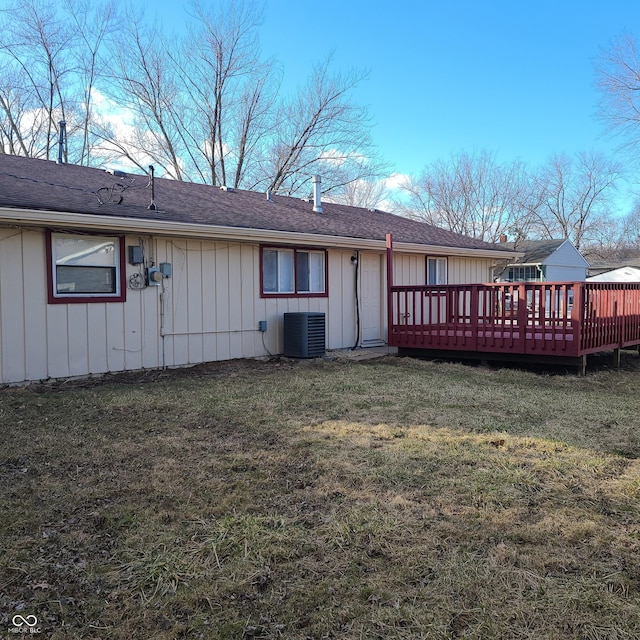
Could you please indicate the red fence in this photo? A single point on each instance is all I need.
(555, 319)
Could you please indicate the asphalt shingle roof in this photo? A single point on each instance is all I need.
(535, 251)
(45, 185)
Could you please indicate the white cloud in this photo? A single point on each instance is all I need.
(120, 121)
(395, 181)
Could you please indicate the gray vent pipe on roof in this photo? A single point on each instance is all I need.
(152, 204)
(317, 202)
(62, 141)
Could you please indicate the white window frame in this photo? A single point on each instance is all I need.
(525, 273)
(114, 244)
(441, 270)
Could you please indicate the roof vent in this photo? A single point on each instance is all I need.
(62, 141)
(269, 195)
(117, 173)
(152, 204)
(317, 202)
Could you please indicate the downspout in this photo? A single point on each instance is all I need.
(356, 260)
(389, 238)
(162, 319)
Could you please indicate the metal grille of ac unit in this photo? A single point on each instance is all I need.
(304, 334)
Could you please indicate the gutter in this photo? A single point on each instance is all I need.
(56, 219)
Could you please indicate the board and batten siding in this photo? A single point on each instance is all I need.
(208, 310)
(411, 269)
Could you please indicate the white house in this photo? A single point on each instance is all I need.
(621, 274)
(543, 261)
(108, 272)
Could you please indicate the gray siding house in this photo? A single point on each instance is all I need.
(543, 261)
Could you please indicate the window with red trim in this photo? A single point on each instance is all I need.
(85, 268)
(293, 272)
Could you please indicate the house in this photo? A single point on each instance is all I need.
(625, 273)
(543, 261)
(108, 271)
(626, 269)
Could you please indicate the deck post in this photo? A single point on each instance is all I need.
(616, 358)
(389, 239)
(583, 365)
(522, 317)
(578, 315)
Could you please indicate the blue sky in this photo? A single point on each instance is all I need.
(513, 77)
(516, 78)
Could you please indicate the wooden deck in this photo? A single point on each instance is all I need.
(551, 321)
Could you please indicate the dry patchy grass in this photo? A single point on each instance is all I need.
(393, 499)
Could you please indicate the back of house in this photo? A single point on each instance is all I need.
(106, 271)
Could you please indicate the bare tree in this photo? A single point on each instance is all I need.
(575, 196)
(50, 58)
(204, 107)
(472, 194)
(229, 90)
(36, 45)
(618, 79)
(616, 241)
(22, 124)
(366, 193)
(144, 82)
(93, 23)
(321, 131)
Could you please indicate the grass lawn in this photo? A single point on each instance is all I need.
(388, 499)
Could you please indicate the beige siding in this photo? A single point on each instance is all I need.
(208, 310)
(35, 333)
(12, 305)
(408, 269)
(469, 270)
(411, 269)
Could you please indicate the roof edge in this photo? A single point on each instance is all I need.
(25, 217)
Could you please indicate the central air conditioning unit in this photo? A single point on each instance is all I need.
(304, 335)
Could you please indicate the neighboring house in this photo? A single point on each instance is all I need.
(543, 261)
(625, 270)
(109, 272)
(621, 274)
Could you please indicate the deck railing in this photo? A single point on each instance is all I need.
(562, 319)
(610, 316)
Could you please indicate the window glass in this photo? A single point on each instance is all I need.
(527, 273)
(93, 251)
(302, 271)
(436, 271)
(431, 271)
(85, 265)
(316, 272)
(285, 268)
(85, 280)
(293, 271)
(270, 270)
